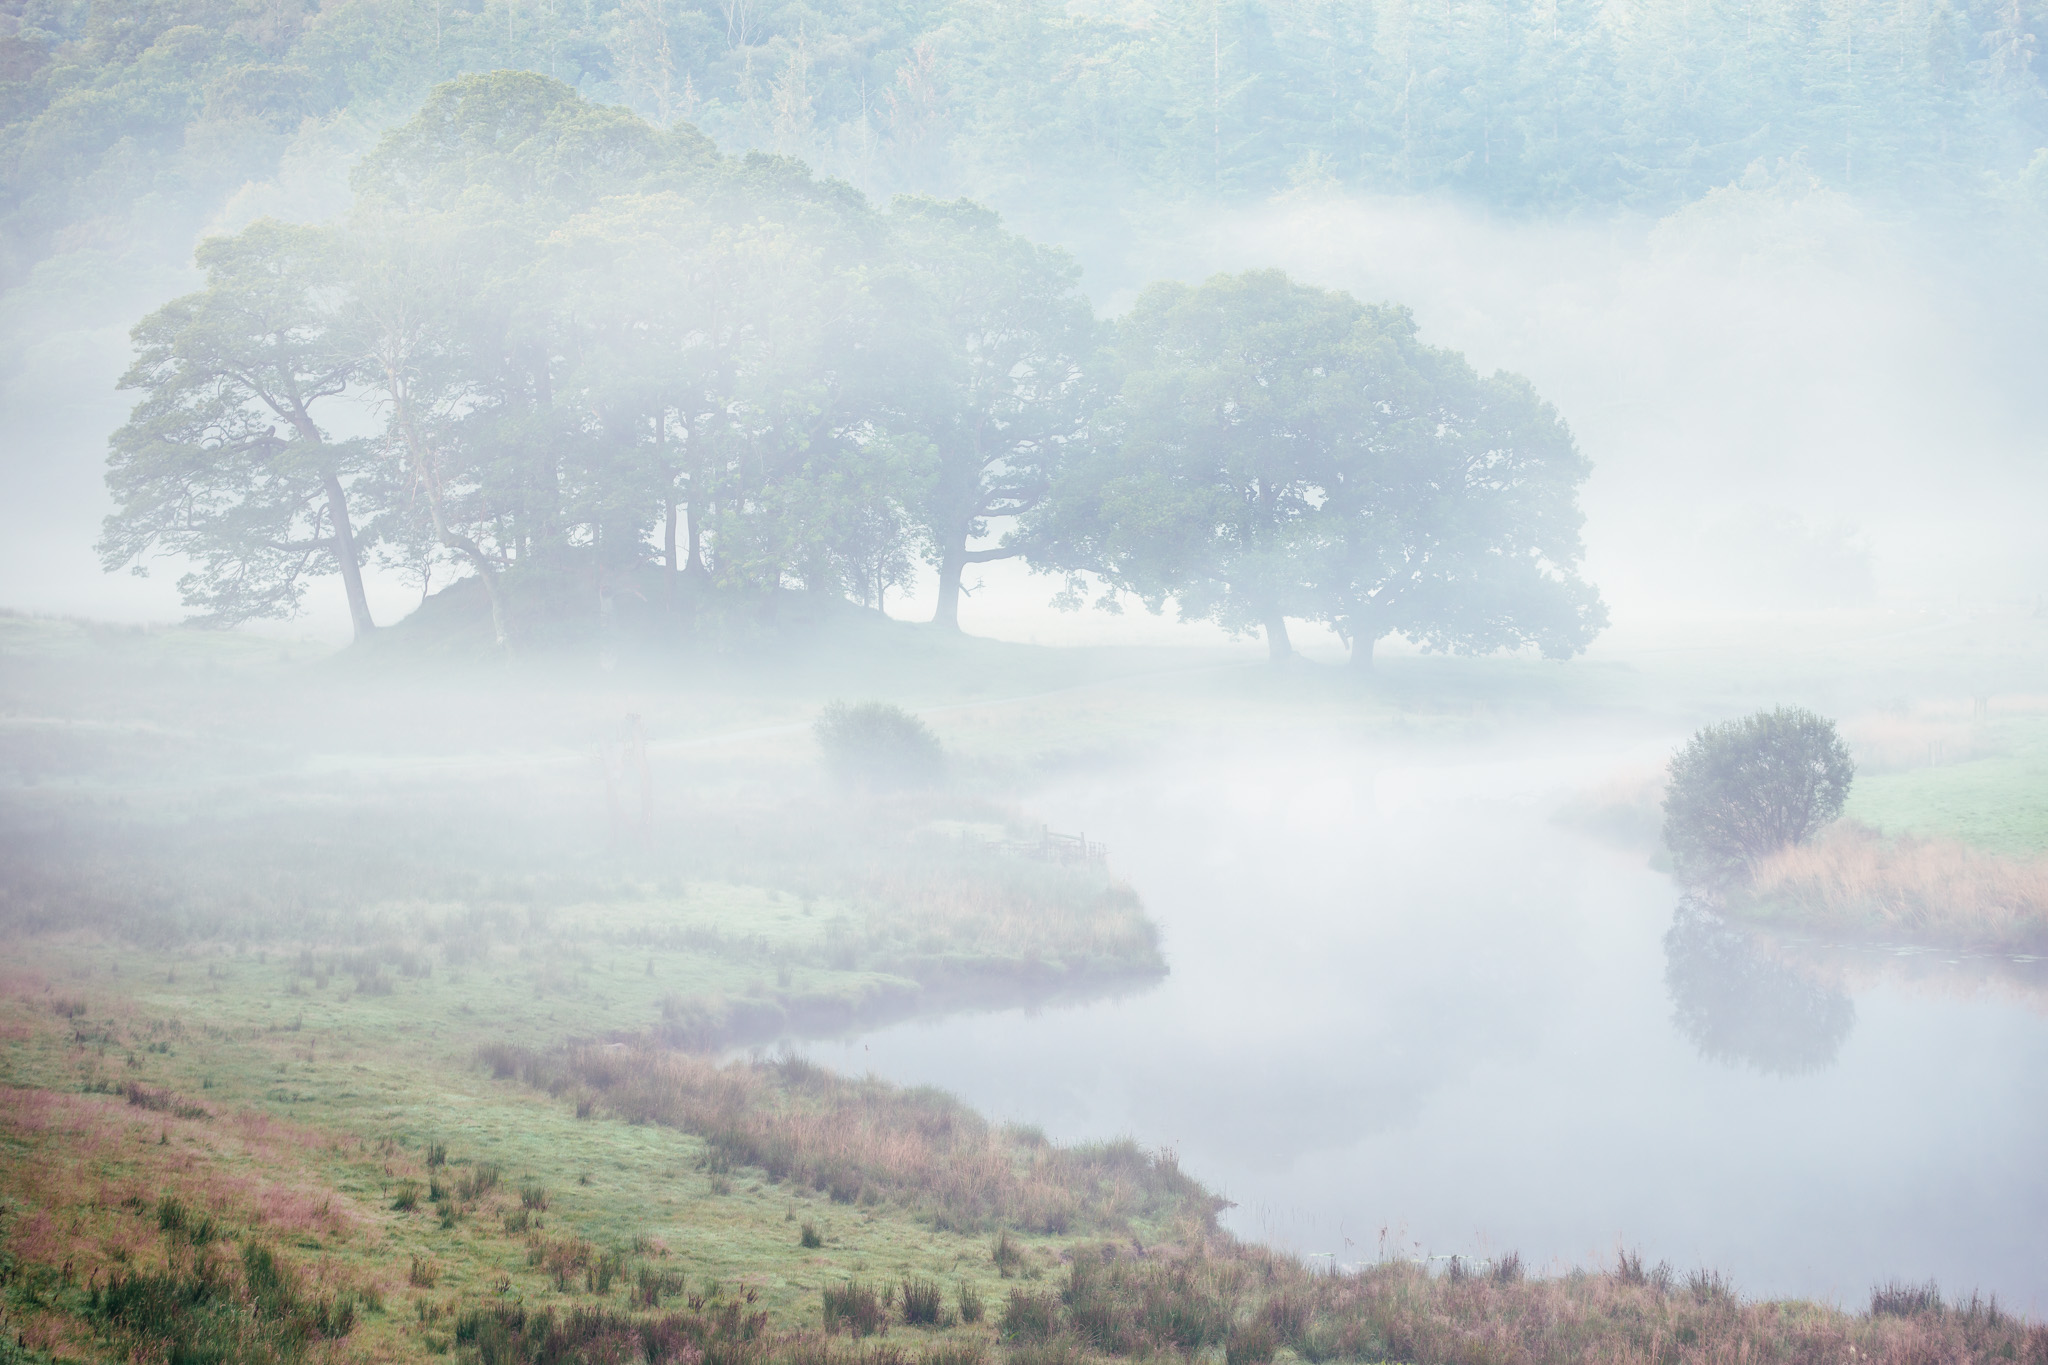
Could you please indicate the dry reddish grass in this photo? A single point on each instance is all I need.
(865, 1140)
(1909, 889)
(1256, 1300)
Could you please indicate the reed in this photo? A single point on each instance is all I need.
(1935, 891)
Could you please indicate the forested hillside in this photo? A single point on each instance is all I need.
(149, 112)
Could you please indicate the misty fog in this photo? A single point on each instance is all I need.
(1035, 684)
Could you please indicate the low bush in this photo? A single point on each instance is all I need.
(876, 744)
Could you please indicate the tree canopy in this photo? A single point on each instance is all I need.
(1555, 107)
(1277, 450)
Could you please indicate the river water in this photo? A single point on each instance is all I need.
(1410, 1013)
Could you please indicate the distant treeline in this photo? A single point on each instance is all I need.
(553, 345)
(116, 113)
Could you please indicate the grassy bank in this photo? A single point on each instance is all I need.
(198, 1163)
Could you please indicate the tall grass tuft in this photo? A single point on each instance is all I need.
(1029, 1316)
(1251, 1343)
(855, 1307)
(1899, 1300)
(923, 1302)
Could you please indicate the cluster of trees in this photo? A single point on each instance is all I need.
(557, 347)
(1533, 105)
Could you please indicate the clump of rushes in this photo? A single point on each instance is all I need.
(1029, 1317)
(1250, 1343)
(1007, 1255)
(651, 1286)
(599, 1274)
(923, 1302)
(810, 1237)
(423, 1273)
(517, 1221)
(408, 1196)
(971, 1309)
(533, 1197)
(481, 1180)
(854, 1306)
(437, 1154)
(968, 1352)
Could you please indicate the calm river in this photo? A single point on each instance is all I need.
(1410, 1014)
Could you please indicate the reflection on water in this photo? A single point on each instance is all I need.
(1403, 999)
(1738, 1004)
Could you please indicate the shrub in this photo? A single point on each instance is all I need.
(878, 745)
(1749, 787)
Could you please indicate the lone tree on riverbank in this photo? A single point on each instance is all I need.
(1749, 787)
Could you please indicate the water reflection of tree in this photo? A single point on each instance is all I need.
(1739, 1005)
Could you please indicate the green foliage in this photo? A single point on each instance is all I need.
(1279, 450)
(1748, 787)
(880, 745)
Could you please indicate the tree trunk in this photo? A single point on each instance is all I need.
(950, 568)
(1277, 644)
(668, 549)
(345, 556)
(693, 523)
(489, 573)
